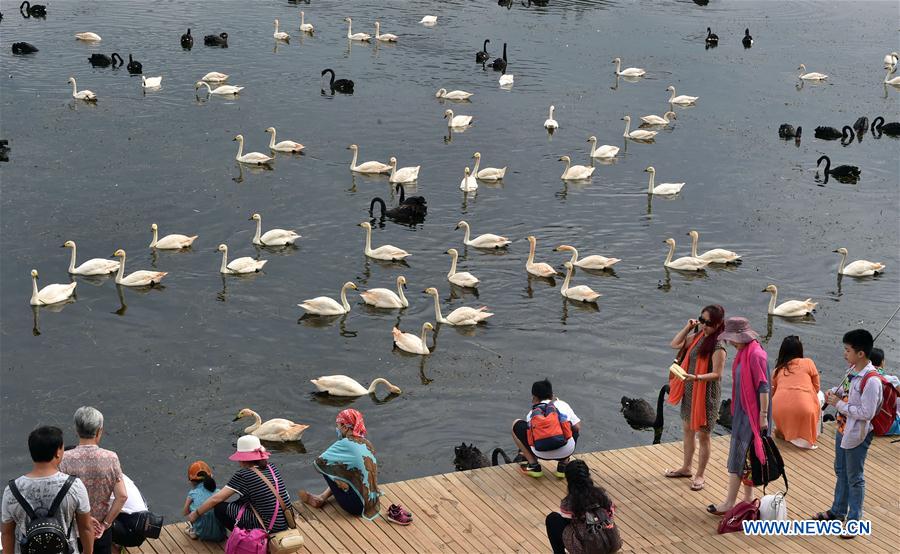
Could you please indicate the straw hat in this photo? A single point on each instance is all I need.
(249, 449)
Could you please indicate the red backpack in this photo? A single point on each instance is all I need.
(884, 417)
(548, 429)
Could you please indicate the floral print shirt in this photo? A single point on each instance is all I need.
(98, 469)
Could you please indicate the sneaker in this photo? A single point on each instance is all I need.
(533, 470)
(396, 514)
(560, 472)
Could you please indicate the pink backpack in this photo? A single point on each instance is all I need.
(248, 541)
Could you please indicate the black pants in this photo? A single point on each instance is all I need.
(556, 524)
(103, 545)
(123, 532)
(520, 430)
(221, 512)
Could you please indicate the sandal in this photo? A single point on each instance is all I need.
(310, 499)
(712, 510)
(677, 474)
(396, 514)
(698, 485)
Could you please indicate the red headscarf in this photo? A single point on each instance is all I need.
(353, 419)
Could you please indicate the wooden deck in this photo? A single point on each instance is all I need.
(500, 510)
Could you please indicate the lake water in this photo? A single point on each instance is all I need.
(170, 367)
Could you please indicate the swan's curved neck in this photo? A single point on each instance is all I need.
(208, 88)
(276, 25)
(349, 29)
(424, 330)
(773, 300)
(565, 285)
(272, 141)
(121, 274)
(352, 162)
(256, 238)
(224, 268)
(437, 310)
(452, 266)
(74, 87)
(72, 261)
(376, 382)
(574, 256)
(368, 239)
(618, 66)
(344, 302)
(551, 112)
(840, 268)
(468, 232)
(302, 19)
(671, 250)
(568, 165)
(694, 240)
(672, 97)
(652, 182)
(240, 144)
(256, 424)
(34, 291)
(627, 126)
(530, 253)
(155, 237)
(593, 147)
(400, 294)
(477, 165)
(393, 168)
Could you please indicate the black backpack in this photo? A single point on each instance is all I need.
(43, 533)
(764, 473)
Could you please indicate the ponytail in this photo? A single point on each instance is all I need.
(208, 482)
(582, 492)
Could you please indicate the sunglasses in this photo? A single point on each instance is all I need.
(704, 321)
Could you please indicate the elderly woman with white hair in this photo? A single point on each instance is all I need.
(100, 472)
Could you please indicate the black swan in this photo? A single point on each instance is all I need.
(4, 150)
(468, 456)
(102, 60)
(481, 57)
(37, 10)
(134, 67)
(787, 131)
(416, 201)
(861, 125)
(216, 40)
(23, 48)
(711, 37)
(830, 133)
(499, 64)
(640, 415)
(341, 85)
(892, 129)
(187, 41)
(747, 41)
(725, 414)
(412, 209)
(843, 173)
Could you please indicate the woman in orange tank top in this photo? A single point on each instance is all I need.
(795, 402)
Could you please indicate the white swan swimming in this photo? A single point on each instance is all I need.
(581, 293)
(551, 124)
(453, 94)
(272, 237)
(140, 278)
(507, 80)
(252, 158)
(370, 167)
(404, 174)
(575, 172)
(606, 151)
(594, 261)
(170, 242)
(304, 26)
(890, 60)
(51, 294)
(429, 20)
(361, 37)
(88, 37)
(662, 189)
(214, 77)
(460, 316)
(81, 94)
(488, 173)
(791, 308)
(629, 72)
(386, 298)
(387, 37)
(280, 35)
(657, 120)
(638, 134)
(273, 430)
(539, 269)
(323, 305)
(811, 76)
(687, 263)
(151, 82)
(468, 183)
(238, 265)
(94, 266)
(283, 146)
(893, 81)
(457, 121)
(859, 268)
(411, 343)
(486, 240)
(681, 99)
(341, 385)
(460, 278)
(221, 90)
(716, 255)
(385, 252)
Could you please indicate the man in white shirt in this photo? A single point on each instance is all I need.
(548, 432)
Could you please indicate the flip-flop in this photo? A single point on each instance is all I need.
(697, 486)
(673, 474)
(711, 509)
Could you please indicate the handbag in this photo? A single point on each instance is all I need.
(248, 541)
(289, 540)
(733, 518)
(148, 525)
(761, 474)
(773, 506)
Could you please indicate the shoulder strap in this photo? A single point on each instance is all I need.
(866, 377)
(60, 495)
(273, 491)
(29, 511)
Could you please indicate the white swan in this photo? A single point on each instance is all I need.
(460, 316)
(140, 278)
(637, 134)
(273, 430)
(341, 385)
(51, 294)
(791, 308)
(384, 252)
(657, 120)
(550, 123)
(594, 261)
(581, 293)
(681, 99)
(460, 278)
(386, 298)
(575, 172)
(366, 167)
(362, 37)
(429, 20)
(280, 35)
(859, 268)
(411, 343)
(81, 94)
(94, 266)
(304, 26)
(453, 94)
(629, 72)
(894, 81)
(404, 174)
(606, 151)
(457, 121)
(890, 60)
(151, 82)
(221, 90)
(507, 80)
(169, 242)
(488, 173)
(811, 76)
(238, 265)
(252, 158)
(468, 183)
(716, 255)
(272, 237)
(539, 269)
(687, 263)
(283, 146)
(214, 77)
(88, 37)
(322, 305)
(387, 37)
(662, 189)
(486, 240)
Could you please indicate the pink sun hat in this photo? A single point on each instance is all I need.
(249, 449)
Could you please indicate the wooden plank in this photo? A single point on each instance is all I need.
(458, 511)
(431, 515)
(412, 538)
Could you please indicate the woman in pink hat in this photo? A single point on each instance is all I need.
(254, 484)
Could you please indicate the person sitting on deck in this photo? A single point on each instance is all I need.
(351, 473)
(207, 527)
(567, 528)
(548, 432)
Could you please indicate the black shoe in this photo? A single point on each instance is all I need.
(560, 472)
